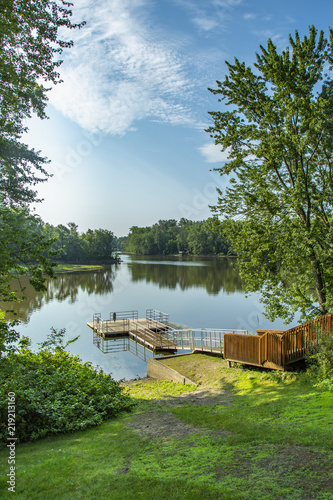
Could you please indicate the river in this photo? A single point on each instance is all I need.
(197, 292)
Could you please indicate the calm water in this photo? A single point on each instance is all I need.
(200, 293)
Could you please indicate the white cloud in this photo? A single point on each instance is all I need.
(120, 71)
(212, 153)
(205, 23)
(249, 15)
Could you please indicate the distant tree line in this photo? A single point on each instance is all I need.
(169, 237)
(70, 246)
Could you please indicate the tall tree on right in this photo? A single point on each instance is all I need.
(277, 208)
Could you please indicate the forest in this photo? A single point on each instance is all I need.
(68, 245)
(169, 237)
(166, 237)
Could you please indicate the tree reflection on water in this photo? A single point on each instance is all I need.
(64, 286)
(214, 274)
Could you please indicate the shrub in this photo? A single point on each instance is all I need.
(320, 363)
(55, 392)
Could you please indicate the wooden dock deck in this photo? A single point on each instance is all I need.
(149, 333)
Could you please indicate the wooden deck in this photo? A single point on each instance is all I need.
(149, 333)
(277, 349)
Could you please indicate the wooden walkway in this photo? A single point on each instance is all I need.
(277, 349)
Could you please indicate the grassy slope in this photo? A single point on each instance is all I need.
(240, 435)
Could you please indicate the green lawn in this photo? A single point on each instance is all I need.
(241, 434)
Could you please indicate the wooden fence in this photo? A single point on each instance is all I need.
(276, 350)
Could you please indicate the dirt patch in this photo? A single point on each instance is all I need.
(204, 397)
(165, 425)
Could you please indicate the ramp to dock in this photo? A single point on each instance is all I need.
(276, 349)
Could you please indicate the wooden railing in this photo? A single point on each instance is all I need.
(299, 339)
(246, 348)
(277, 349)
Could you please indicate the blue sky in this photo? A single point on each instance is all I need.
(126, 133)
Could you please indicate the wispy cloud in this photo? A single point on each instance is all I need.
(212, 153)
(120, 71)
(277, 38)
(249, 16)
(209, 15)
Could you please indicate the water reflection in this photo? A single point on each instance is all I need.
(215, 275)
(63, 287)
(124, 344)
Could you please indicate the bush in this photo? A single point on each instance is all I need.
(320, 363)
(55, 392)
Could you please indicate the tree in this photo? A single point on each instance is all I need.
(29, 45)
(277, 208)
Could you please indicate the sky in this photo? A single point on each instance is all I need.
(126, 133)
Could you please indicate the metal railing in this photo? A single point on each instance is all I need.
(157, 315)
(157, 326)
(158, 334)
(158, 339)
(206, 339)
(111, 345)
(123, 315)
(117, 323)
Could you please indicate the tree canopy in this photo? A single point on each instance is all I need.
(69, 246)
(30, 47)
(169, 237)
(277, 208)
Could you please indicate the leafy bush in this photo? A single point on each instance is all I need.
(320, 363)
(55, 392)
(8, 336)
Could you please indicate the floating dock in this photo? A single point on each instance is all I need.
(155, 333)
(149, 332)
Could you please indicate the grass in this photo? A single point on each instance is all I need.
(238, 434)
(68, 268)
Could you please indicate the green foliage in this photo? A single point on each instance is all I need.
(170, 237)
(55, 392)
(320, 363)
(23, 250)
(70, 246)
(29, 46)
(8, 335)
(277, 211)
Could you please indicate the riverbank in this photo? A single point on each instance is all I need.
(237, 433)
(71, 268)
